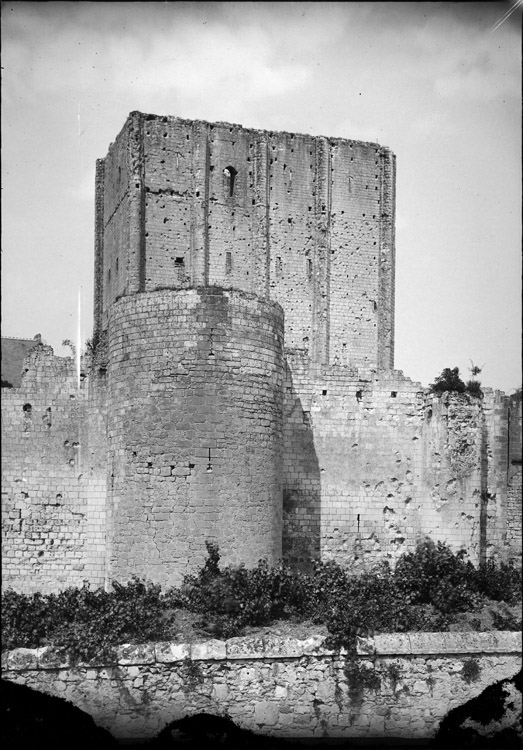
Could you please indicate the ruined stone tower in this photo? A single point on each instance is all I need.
(240, 387)
(204, 232)
(304, 221)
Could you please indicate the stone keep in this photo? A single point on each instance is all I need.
(240, 388)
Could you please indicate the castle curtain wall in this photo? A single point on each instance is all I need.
(53, 478)
(241, 386)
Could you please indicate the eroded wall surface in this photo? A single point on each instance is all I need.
(53, 477)
(399, 686)
(374, 463)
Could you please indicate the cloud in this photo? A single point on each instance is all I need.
(84, 190)
(466, 60)
(180, 58)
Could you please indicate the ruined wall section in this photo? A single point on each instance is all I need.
(195, 431)
(373, 464)
(53, 480)
(514, 486)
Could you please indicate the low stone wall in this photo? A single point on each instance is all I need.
(399, 685)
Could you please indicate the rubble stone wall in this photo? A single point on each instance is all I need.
(399, 685)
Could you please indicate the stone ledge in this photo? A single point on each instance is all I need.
(495, 642)
(274, 647)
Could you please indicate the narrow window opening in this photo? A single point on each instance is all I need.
(324, 393)
(230, 174)
(27, 408)
(228, 262)
(278, 267)
(309, 269)
(179, 269)
(359, 395)
(393, 394)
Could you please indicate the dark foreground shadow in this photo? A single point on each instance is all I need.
(35, 720)
(491, 720)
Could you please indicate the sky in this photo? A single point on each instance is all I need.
(439, 83)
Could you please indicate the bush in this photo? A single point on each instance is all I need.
(86, 623)
(234, 597)
(473, 388)
(24, 619)
(503, 583)
(433, 574)
(449, 380)
(427, 590)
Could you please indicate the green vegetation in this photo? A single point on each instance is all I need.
(471, 671)
(427, 591)
(450, 381)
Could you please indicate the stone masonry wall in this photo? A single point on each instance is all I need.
(195, 412)
(307, 221)
(373, 464)
(514, 490)
(281, 686)
(53, 478)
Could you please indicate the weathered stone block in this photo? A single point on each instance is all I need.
(130, 653)
(209, 650)
(167, 651)
(245, 648)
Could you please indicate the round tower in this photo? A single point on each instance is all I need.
(195, 431)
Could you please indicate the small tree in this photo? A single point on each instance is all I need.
(475, 370)
(473, 385)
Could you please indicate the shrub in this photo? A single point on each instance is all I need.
(501, 583)
(473, 388)
(24, 619)
(235, 597)
(427, 589)
(449, 380)
(433, 574)
(86, 623)
(471, 671)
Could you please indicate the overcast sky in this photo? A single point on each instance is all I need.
(438, 83)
